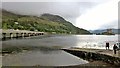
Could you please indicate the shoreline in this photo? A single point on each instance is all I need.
(24, 48)
(92, 63)
(95, 55)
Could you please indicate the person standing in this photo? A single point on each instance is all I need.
(107, 45)
(115, 48)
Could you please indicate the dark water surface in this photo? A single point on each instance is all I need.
(46, 56)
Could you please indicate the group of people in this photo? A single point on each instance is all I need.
(114, 47)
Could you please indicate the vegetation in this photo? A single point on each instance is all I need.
(45, 23)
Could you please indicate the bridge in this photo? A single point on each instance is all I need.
(19, 33)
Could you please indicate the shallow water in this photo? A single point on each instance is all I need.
(33, 58)
(45, 56)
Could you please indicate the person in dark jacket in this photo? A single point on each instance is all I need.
(115, 48)
(107, 45)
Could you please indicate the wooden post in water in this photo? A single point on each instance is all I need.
(4, 36)
(17, 35)
(35, 34)
(24, 34)
(29, 34)
(21, 35)
(11, 35)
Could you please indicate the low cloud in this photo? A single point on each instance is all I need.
(100, 16)
(80, 14)
(69, 10)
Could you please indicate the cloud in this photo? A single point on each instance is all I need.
(54, 0)
(98, 16)
(87, 14)
(69, 10)
(113, 24)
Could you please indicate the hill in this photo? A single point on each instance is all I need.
(115, 31)
(45, 23)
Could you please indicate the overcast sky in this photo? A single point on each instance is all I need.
(87, 14)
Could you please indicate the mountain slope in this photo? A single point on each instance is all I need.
(46, 23)
(115, 31)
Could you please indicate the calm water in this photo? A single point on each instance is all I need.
(49, 57)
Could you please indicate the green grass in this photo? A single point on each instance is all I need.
(46, 23)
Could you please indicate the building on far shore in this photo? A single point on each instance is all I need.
(108, 32)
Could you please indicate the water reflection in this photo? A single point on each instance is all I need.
(96, 41)
(47, 53)
(49, 50)
(32, 58)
